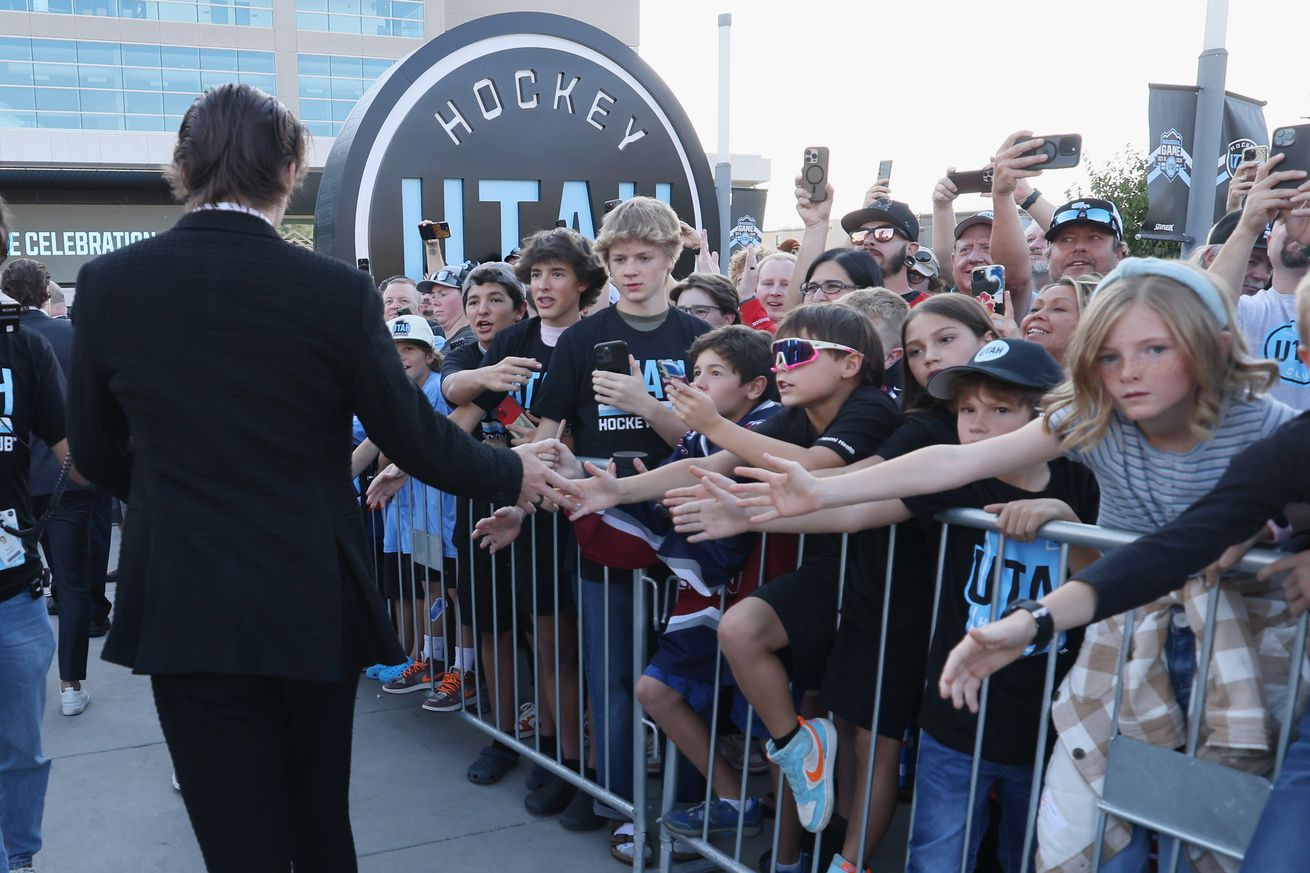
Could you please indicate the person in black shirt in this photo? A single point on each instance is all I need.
(32, 401)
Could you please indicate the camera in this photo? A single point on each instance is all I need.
(1285, 136)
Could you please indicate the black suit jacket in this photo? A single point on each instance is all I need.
(215, 370)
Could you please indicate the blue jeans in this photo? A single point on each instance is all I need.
(1180, 657)
(941, 798)
(1280, 841)
(27, 646)
(611, 695)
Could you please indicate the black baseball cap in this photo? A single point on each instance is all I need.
(1017, 362)
(1224, 227)
(1087, 210)
(894, 212)
(985, 217)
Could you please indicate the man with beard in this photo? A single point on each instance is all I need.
(1258, 266)
(1268, 318)
(889, 232)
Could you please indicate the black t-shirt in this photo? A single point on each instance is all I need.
(566, 393)
(867, 418)
(522, 340)
(1029, 572)
(31, 402)
(929, 427)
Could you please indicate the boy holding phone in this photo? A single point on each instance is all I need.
(640, 241)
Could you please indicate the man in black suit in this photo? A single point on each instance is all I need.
(218, 407)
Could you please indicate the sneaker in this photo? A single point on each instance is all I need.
(386, 674)
(841, 865)
(527, 721)
(454, 689)
(806, 762)
(722, 816)
(416, 677)
(73, 700)
(738, 752)
(177, 786)
(802, 864)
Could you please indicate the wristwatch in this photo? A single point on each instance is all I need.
(1041, 615)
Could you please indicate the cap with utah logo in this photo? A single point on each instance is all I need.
(1018, 362)
(411, 329)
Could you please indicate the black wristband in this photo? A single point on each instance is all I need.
(1041, 615)
(1030, 199)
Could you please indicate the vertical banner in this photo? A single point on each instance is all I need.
(1244, 126)
(747, 215)
(1170, 170)
(1172, 118)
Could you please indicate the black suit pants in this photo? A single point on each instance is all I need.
(264, 765)
(64, 540)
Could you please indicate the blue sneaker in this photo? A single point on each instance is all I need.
(807, 763)
(387, 674)
(723, 819)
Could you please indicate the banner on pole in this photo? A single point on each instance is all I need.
(747, 215)
(1170, 166)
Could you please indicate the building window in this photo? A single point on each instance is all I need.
(329, 87)
(64, 83)
(246, 13)
(373, 17)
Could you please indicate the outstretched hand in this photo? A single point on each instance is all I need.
(585, 496)
(499, 529)
(785, 490)
(982, 652)
(384, 486)
(718, 516)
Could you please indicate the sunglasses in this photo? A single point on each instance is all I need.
(1095, 214)
(879, 234)
(788, 354)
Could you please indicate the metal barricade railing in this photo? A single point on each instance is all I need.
(1211, 806)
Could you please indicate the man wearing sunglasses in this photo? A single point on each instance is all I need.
(445, 288)
(889, 231)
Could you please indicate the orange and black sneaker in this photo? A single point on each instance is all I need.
(453, 688)
(417, 677)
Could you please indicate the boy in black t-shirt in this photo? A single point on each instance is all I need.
(563, 274)
(829, 369)
(609, 412)
(996, 393)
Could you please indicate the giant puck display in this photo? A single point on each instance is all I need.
(501, 127)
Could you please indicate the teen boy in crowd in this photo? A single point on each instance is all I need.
(610, 412)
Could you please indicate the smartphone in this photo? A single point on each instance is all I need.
(1061, 150)
(814, 173)
(884, 171)
(612, 357)
(1293, 142)
(362, 263)
(510, 412)
(672, 371)
(433, 230)
(987, 286)
(1255, 154)
(975, 182)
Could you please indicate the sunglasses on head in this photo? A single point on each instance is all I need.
(880, 234)
(1095, 214)
(788, 354)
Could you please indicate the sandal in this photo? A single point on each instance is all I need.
(492, 765)
(622, 843)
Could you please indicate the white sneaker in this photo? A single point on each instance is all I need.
(74, 700)
(177, 786)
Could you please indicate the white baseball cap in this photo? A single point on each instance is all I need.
(412, 329)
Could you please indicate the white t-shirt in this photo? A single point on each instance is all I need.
(1268, 322)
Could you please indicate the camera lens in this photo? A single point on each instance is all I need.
(1068, 147)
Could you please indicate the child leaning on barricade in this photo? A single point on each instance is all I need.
(995, 393)
(415, 506)
(1258, 484)
(828, 362)
(1161, 395)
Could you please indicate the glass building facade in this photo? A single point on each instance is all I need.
(91, 85)
(246, 13)
(330, 85)
(374, 17)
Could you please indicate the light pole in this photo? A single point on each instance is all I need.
(1211, 72)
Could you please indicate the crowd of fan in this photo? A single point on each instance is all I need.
(1117, 390)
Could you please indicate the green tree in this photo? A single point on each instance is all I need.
(1123, 179)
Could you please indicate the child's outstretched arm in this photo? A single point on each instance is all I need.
(927, 471)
